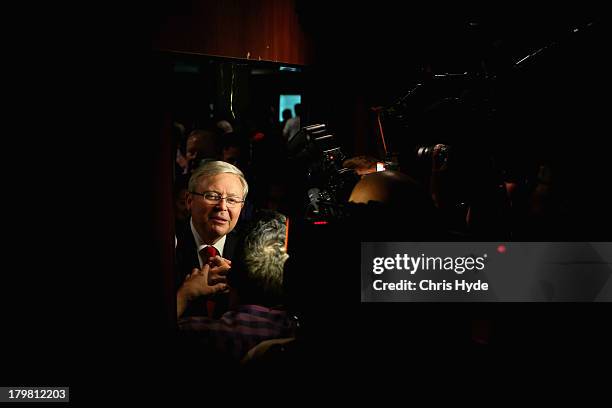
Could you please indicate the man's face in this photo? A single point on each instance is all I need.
(212, 221)
(193, 147)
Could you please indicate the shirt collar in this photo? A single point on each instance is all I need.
(200, 244)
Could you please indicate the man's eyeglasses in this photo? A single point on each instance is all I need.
(214, 198)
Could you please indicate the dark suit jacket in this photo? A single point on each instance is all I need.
(187, 258)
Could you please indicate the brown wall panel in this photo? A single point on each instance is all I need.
(256, 29)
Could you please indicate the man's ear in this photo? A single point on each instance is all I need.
(189, 201)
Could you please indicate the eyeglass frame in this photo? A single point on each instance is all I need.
(218, 200)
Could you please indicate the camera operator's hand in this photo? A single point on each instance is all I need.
(196, 285)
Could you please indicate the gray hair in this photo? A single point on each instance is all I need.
(212, 168)
(264, 255)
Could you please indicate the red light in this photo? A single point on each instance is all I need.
(501, 249)
(320, 222)
(258, 137)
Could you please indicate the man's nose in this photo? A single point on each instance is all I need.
(222, 205)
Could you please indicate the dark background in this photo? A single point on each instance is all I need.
(551, 108)
(87, 180)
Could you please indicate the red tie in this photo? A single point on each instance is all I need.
(210, 251)
(207, 252)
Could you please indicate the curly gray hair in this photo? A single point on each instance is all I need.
(263, 255)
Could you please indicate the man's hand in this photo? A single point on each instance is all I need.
(197, 284)
(200, 283)
(219, 267)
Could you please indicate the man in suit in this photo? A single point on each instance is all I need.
(215, 197)
(257, 313)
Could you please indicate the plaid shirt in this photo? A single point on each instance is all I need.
(237, 331)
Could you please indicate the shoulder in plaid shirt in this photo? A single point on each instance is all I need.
(237, 331)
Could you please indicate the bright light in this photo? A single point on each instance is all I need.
(288, 102)
(290, 69)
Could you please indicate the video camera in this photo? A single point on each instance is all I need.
(315, 151)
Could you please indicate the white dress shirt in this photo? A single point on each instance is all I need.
(219, 245)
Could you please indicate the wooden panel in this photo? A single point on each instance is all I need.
(255, 29)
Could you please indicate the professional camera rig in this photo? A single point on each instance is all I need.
(315, 149)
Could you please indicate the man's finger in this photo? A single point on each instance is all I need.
(219, 287)
(219, 270)
(219, 259)
(205, 270)
(217, 279)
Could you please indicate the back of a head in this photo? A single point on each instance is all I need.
(258, 270)
(392, 202)
(203, 144)
(224, 126)
(388, 187)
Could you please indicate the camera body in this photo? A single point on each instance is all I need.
(328, 184)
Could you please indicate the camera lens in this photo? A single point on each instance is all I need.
(424, 152)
